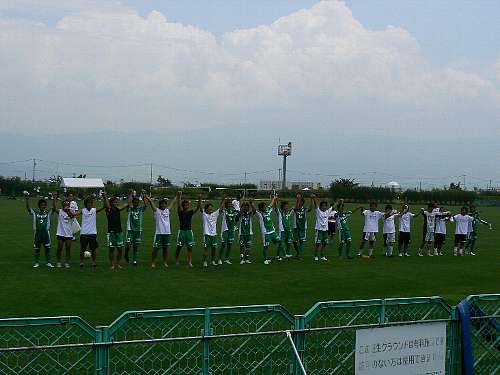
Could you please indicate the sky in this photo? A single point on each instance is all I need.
(205, 90)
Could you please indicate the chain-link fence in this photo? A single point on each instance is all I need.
(264, 339)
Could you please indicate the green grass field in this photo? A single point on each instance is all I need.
(100, 296)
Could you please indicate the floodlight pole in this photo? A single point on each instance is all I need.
(283, 183)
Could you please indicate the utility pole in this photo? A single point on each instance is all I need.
(245, 177)
(34, 169)
(285, 151)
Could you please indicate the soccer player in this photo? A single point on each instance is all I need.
(323, 213)
(332, 223)
(115, 232)
(370, 229)
(461, 229)
(473, 230)
(73, 206)
(430, 227)
(440, 233)
(230, 216)
(285, 226)
(134, 225)
(161, 238)
(88, 232)
(299, 225)
(246, 231)
(41, 226)
(210, 217)
(342, 217)
(389, 230)
(64, 233)
(269, 235)
(404, 239)
(236, 202)
(185, 235)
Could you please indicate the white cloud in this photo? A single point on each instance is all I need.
(107, 66)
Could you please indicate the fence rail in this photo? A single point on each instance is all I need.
(263, 339)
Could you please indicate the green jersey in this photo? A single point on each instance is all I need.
(229, 217)
(266, 220)
(476, 220)
(41, 219)
(342, 220)
(134, 218)
(300, 217)
(285, 220)
(246, 223)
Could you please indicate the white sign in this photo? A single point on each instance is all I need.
(82, 183)
(414, 349)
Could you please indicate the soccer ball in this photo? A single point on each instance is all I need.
(87, 254)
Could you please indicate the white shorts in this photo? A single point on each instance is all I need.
(390, 237)
(429, 236)
(369, 236)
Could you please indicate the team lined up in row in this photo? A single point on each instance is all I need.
(237, 217)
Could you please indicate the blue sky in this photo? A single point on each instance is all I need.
(367, 79)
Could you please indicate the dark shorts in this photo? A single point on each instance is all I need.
(404, 238)
(439, 239)
(460, 238)
(331, 228)
(88, 240)
(62, 238)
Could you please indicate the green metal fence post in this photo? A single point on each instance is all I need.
(381, 318)
(299, 340)
(454, 346)
(101, 351)
(207, 331)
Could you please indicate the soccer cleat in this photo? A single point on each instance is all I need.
(242, 261)
(214, 263)
(153, 265)
(288, 255)
(190, 265)
(220, 261)
(407, 255)
(66, 265)
(420, 254)
(279, 259)
(113, 267)
(471, 253)
(36, 265)
(400, 255)
(49, 265)
(228, 261)
(165, 265)
(248, 261)
(324, 258)
(267, 261)
(58, 265)
(119, 267)
(135, 263)
(205, 264)
(316, 258)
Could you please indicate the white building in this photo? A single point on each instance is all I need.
(292, 185)
(393, 185)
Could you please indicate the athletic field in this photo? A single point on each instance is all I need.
(101, 295)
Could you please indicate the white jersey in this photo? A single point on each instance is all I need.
(210, 223)
(431, 220)
(236, 204)
(64, 225)
(73, 207)
(162, 219)
(389, 226)
(470, 228)
(322, 218)
(332, 219)
(371, 221)
(441, 224)
(461, 223)
(405, 221)
(89, 221)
